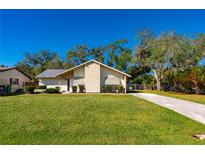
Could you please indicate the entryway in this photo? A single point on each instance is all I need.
(68, 84)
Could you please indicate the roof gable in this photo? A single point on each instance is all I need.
(51, 73)
(112, 68)
(11, 68)
(97, 63)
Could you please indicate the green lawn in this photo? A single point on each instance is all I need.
(91, 119)
(189, 97)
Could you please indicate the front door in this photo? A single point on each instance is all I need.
(68, 85)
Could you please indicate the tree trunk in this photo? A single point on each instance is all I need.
(157, 79)
(196, 87)
(197, 90)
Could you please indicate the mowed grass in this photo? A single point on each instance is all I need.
(188, 97)
(92, 119)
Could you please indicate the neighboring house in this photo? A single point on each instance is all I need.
(92, 74)
(14, 77)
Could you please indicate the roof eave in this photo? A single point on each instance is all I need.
(95, 62)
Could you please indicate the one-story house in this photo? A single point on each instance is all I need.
(92, 74)
(14, 77)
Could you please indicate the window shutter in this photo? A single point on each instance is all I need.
(17, 81)
(10, 81)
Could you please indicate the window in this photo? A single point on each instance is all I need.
(14, 81)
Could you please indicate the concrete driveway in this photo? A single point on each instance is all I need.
(189, 109)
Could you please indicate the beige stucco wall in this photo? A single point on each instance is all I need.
(64, 79)
(79, 76)
(53, 83)
(105, 72)
(13, 73)
(92, 77)
(68, 75)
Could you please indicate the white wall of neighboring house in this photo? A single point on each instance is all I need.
(13, 73)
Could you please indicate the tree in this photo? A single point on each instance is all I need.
(98, 53)
(150, 54)
(119, 56)
(139, 75)
(40, 58)
(168, 53)
(57, 63)
(2, 65)
(33, 64)
(187, 52)
(196, 75)
(115, 54)
(78, 55)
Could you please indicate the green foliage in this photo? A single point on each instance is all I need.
(52, 90)
(74, 88)
(168, 53)
(78, 55)
(19, 91)
(29, 89)
(40, 87)
(191, 80)
(115, 54)
(81, 88)
(113, 89)
(9, 94)
(140, 75)
(98, 53)
(7, 88)
(119, 56)
(33, 64)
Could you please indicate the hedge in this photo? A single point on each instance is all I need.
(40, 87)
(113, 89)
(74, 88)
(29, 89)
(81, 88)
(52, 90)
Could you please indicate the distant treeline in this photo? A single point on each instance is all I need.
(169, 60)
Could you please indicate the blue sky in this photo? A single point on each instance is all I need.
(59, 30)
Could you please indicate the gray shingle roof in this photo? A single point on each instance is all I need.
(50, 73)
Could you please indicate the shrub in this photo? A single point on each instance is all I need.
(19, 91)
(40, 87)
(29, 89)
(5, 88)
(110, 88)
(104, 89)
(119, 89)
(9, 94)
(113, 89)
(74, 89)
(81, 88)
(52, 90)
